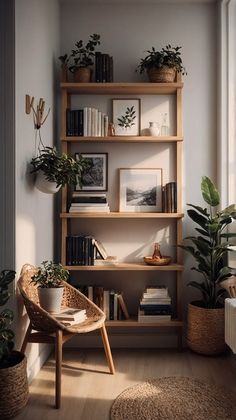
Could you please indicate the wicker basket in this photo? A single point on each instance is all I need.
(14, 390)
(162, 75)
(205, 334)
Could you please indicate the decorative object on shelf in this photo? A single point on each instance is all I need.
(94, 177)
(56, 169)
(111, 129)
(157, 258)
(154, 129)
(49, 279)
(14, 389)
(209, 248)
(164, 125)
(140, 190)
(161, 66)
(83, 59)
(126, 116)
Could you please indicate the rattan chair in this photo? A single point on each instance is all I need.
(44, 328)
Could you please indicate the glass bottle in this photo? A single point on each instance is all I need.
(164, 126)
(157, 252)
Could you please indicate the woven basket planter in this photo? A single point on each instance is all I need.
(14, 389)
(205, 334)
(162, 75)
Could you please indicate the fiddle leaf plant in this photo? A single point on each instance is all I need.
(6, 318)
(210, 245)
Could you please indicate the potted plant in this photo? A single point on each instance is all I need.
(161, 66)
(49, 280)
(209, 248)
(14, 390)
(54, 170)
(83, 59)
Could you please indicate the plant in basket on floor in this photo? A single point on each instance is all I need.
(209, 248)
(49, 279)
(161, 66)
(13, 375)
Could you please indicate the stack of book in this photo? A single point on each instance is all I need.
(71, 316)
(101, 256)
(80, 250)
(103, 68)
(110, 301)
(155, 305)
(85, 203)
(169, 198)
(86, 122)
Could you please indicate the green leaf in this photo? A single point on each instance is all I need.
(197, 218)
(200, 209)
(209, 192)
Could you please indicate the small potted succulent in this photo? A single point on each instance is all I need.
(82, 59)
(49, 280)
(55, 170)
(14, 389)
(161, 66)
(209, 248)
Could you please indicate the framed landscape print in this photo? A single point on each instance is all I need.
(126, 116)
(140, 190)
(95, 176)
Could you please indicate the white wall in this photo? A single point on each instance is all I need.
(127, 30)
(37, 41)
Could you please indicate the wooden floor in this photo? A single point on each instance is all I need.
(88, 391)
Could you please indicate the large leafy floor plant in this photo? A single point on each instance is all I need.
(210, 246)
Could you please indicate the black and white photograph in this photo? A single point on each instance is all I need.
(95, 176)
(140, 190)
(126, 116)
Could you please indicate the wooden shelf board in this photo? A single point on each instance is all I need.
(122, 139)
(121, 215)
(126, 267)
(134, 323)
(122, 88)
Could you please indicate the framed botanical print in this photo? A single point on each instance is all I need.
(126, 116)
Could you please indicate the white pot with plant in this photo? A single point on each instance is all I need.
(54, 170)
(162, 66)
(49, 279)
(83, 60)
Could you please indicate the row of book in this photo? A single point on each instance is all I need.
(110, 301)
(169, 198)
(86, 122)
(85, 203)
(103, 68)
(86, 250)
(155, 305)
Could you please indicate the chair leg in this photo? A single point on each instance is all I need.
(58, 358)
(107, 349)
(25, 341)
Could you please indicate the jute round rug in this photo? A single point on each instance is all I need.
(174, 398)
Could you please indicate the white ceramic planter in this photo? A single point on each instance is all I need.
(50, 298)
(45, 186)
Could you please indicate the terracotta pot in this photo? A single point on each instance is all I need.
(83, 75)
(205, 333)
(45, 186)
(162, 75)
(50, 298)
(14, 389)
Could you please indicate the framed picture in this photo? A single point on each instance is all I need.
(140, 190)
(95, 176)
(126, 116)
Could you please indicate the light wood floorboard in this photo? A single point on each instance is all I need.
(88, 390)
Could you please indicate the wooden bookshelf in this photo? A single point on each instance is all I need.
(134, 323)
(121, 215)
(122, 88)
(126, 267)
(122, 139)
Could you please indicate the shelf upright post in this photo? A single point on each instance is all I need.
(65, 103)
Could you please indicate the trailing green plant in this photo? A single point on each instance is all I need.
(50, 275)
(57, 167)
(127, 120)
(83, 55)
(210, 246)
(6, 318)
(167, 57)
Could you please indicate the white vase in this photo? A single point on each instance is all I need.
(50, 298)
(45, 186)
(154, 129)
